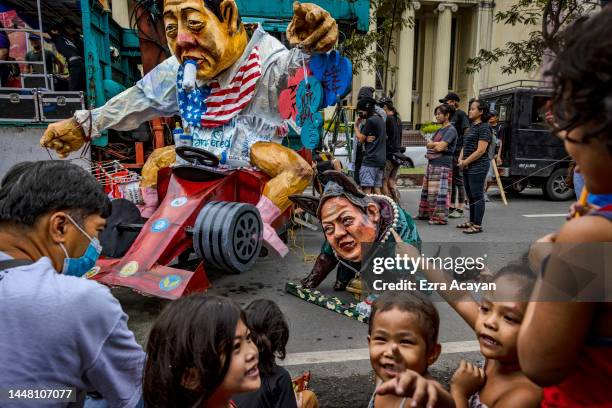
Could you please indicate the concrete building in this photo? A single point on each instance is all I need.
(432, 54)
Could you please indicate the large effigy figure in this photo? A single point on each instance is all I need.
(232, 106)
(349, 218)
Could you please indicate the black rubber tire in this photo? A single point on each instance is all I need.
(555, 188)
(228, 235)
(115, 243)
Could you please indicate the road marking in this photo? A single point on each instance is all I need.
(338, 356)
(544, 215)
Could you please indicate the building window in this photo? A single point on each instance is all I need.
(539, 106)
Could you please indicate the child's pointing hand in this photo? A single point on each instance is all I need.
(423, 392)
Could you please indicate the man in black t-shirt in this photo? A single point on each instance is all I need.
(461, 123)
(373, 138)
(364, 92)
(393, 128)
(76, 64)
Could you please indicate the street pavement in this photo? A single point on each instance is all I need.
(334, 347)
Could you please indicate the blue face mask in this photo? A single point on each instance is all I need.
(80, 266)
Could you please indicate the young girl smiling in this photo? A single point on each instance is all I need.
(199, 354)
(566, 346)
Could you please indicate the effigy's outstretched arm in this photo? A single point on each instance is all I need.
(312, 30)
(324, 264)
(153, 96)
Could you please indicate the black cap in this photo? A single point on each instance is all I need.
(451, 96)
(365, 92)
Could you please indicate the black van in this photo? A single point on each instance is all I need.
(531, 155)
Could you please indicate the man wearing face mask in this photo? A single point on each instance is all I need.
(59, 329)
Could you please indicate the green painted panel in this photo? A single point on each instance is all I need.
(347, 10)
(130, 39)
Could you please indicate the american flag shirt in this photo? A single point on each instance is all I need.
(214, 105)
(241, 109)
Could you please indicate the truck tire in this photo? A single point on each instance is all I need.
(228, 235)
(555, 188)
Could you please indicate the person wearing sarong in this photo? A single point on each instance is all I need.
(435, 197)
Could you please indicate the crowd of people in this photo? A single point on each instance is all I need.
(460, 163)
(207, 351)
(460, 155)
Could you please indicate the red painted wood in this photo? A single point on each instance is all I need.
(144, 267)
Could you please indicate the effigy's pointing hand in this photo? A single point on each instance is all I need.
(313, 28)
(64, 137)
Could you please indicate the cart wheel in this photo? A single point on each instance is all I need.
(116, 241)
(228, 235)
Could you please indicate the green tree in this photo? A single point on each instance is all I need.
(527, 55)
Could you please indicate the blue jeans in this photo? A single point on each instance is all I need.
(474, 188)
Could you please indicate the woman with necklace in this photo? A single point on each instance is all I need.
(350, 217)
